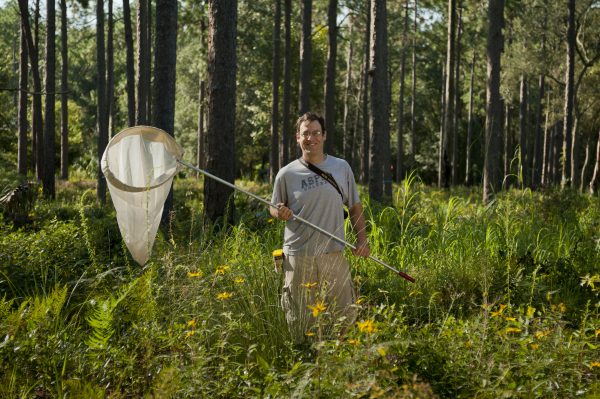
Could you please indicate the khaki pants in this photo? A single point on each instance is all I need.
(310, 280)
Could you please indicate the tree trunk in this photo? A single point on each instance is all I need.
(222, 65)
(101, 120)
(468, 177)
(201, 144)
(448, 130)
(523, 139)
(22, 112)
(347, 134)
(305, 57)
(413, 112)
(379, 118)
(546, 147)
(274, 153)
(569, 96)
(287, 85)
(492, 177)
(110, 72)
(64, 96)
(332, 139)
(129, 64)
(596, 175)
(536, 167)
(48, 180)
(457, 101)
(584, 167)
(508, 146)
(400, 131)
(442, 128)
(573, 178)
(164, 78)
(148, 63)
(365, 146)
(142, 69)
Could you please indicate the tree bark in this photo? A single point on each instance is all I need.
(448, 130)
(400, 131)
(274, 153)
(346, 132)
(508, 146)
(165, 62)
(468, 177)
(457, 102)
(492, 177)
(365, 146)
(413, 112)
(332, 139)
(440, 164)
(222, 66)
(110, 72)
(596, 175)
(536, 168)
(305, 57)
(569, 96)
(141, 117)
(584, 167)
(523, 139)
(129, 64)
(22, 112)
(148, 63)
(48, 179)
(64, 96)
(379, 118)
(201, 142)
(287, 85)
(101, 120)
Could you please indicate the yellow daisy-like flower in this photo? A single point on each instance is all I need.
(510, 319)
(360, 300)
(239, 280)
(194, 274)
(318, 308)
(191, 323)
(222, 269)
(309, 285)
(535, 346)
(541, 334)
(366, 326)
(310, 334)
(190, 333)
(353, 342)
(224, 296)
(381, 352)
(499, 311)
(530, 311)
(594, 364)
(510, 330)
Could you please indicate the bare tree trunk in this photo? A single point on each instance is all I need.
(584, 167)
(365, 146)
(523, 116)
(347, 134)
(573, 177)
(400, 131)
(305, 57)
(468, 177)
(596, 175)
(287, 84)
(508, 146)
(64, 96)
(546, 147)
(222, 68)
(48, 179)
(101, 120)
(141, 117)
(413, 111)
(274, 153)
(536, 174)
(569, 96)
(492, 179)
(457, 102)
(332, 139)
(448, 130)
(379, 119)
(201, 140)
(22, 112)
(148, 63)
(110, 71)
(442, 128)
(129, 64)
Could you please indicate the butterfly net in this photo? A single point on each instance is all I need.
(139, 164)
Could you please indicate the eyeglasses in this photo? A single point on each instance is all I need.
(313, 134)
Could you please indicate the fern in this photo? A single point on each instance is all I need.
(101, 318)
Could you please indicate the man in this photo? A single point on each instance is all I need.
(317, 276)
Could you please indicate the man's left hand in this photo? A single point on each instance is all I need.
(362, 249)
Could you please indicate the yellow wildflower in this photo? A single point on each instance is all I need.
(224, 296)
(310, 334)
(353, 342)
(192, 323)
(309, 285)
(499, 311)
(535, 346)
(194, 274)
(562, 307)
(190, 333)
(510, 319)
(360, 300)
(239, 280)
(222, 269)
(270, 220)
(594, 364)
(366, 326)
(381, 351)
(530, 311)
(597, 333)
(541, 334)
(510, 330)
(317, 309)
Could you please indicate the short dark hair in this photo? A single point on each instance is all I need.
(310, 117)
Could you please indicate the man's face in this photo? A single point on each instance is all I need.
(311, 138)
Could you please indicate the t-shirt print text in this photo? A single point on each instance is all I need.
(312, 182)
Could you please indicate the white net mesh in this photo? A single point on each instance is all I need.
(139, 164)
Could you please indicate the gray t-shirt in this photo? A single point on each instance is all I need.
(313, 198)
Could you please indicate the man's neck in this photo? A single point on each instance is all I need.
(314, 158)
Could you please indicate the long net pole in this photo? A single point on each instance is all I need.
(295, 217)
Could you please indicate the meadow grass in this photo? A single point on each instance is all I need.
(505, 304)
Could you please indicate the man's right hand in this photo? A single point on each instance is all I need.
(282, 212)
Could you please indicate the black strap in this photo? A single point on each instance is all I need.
(323, 174)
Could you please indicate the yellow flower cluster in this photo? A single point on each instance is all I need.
(366, 326)
(224, 296)
(318, 308)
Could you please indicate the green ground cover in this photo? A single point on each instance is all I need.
(505, 304)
